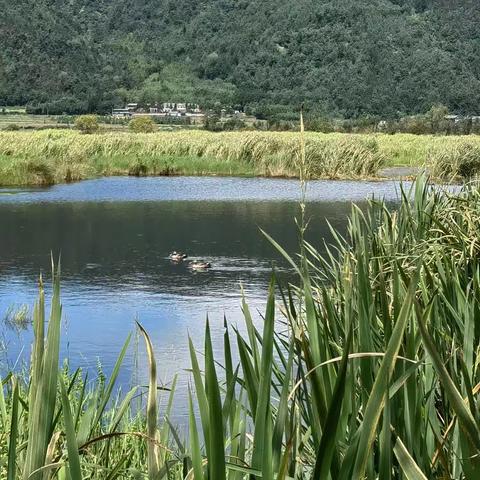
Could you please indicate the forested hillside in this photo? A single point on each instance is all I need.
(346, 58)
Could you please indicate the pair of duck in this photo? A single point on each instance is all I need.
(178, 256)
(196, 265)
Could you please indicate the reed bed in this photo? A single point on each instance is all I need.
(366, 368)
(460, 159)
(55, 156)
(48, 157)
(415, 150)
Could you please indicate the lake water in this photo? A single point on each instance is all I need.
(114, 236)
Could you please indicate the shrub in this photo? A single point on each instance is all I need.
(213, 124)
(12, 127)
(87, 123)
(233, 124)
(142, 125)
(319, 124)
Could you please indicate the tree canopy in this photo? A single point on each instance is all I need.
(346, 58)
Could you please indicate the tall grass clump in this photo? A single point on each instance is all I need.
(372, 371)
(458, 160)
(366, 368)
(344, 157)
(17, 318)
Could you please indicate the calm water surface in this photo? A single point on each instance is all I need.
(114, 236)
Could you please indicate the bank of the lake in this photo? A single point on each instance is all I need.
(59, 156)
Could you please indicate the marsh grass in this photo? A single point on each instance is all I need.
(414, 150)
(18, 317)
(59, 156)
(367, 368)
(460, 160)
(56, 156)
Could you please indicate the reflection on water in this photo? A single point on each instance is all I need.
(121, 189)
(114, 236)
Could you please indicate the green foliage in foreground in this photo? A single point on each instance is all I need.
(368, 368)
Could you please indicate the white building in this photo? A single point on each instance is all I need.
(121, 113)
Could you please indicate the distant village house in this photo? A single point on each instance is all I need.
(191, 112)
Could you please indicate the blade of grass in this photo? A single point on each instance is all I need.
(329, 434)
(216, 447)
(262, 443)
(113, 378)
(152, 412)
(195, 451)
(409, 468)
(12, 445)
(200, 393)
(72, 446)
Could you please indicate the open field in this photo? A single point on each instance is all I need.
(19, 120)
(370, 371)
(55, 156)
(26, 121)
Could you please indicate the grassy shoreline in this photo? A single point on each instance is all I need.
(57, 156)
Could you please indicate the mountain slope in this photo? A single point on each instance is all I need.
(340, 57)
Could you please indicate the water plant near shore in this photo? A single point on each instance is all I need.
(459, 160)
(17, 318)
(371, 370)
(56, 156)
(68, 155)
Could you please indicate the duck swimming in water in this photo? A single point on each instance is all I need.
(178, 256)
(198, 265)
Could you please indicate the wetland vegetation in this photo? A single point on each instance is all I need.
(366, 367)
(51, 156)
(359, 360)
